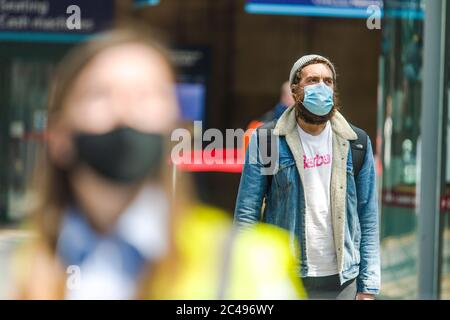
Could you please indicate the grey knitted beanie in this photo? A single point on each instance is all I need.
(304, 60)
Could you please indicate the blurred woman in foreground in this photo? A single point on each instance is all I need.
(101, 205)
(108, 225)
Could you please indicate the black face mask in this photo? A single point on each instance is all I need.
(123, 155)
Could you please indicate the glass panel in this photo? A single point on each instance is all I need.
(445, 201)
(26, 70)
(402, 56)
(29, 83)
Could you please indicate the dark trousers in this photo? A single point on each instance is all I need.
(329, 288)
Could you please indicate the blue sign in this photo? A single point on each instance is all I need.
(53, 20)
(322, 8)
(192, 65)
(335, 8)
(191, 99)
(143, 3)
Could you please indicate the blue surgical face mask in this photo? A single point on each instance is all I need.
(318, 99)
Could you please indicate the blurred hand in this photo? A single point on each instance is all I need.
(365, 296)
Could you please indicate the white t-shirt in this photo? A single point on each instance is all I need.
(317, 163)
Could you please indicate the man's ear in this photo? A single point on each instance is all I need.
(61, 150)
(295, 88)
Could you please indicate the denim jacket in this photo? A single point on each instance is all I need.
(353, 200)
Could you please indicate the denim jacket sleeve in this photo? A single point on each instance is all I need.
(368, 280)
(252, 187)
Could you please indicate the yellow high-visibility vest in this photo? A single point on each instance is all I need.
(218, 262)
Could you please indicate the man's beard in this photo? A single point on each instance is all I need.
(311, 118)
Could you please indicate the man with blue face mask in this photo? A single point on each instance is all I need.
(322, 188)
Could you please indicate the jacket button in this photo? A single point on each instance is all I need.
(342, 187)
(342, 158)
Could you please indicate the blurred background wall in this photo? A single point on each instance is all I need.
(251, 56)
